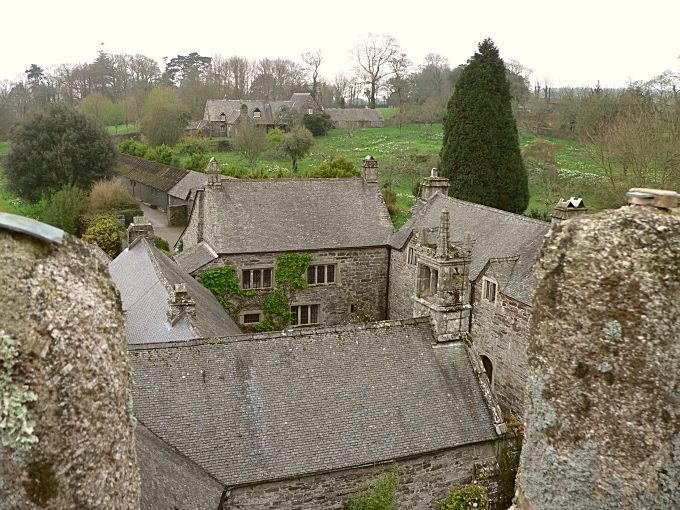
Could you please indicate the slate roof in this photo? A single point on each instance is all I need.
(145, 276)
(275, 215)
(496, 234)
(195, 257)
(169, 479)
(191, 181)
(355, 115)
(156, 175)
(268, 109)
(285, 404)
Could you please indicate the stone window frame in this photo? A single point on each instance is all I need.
(297, 314)
(411, 256)
(261, 268)
(325, 265)
(243, 313)
(487, 282)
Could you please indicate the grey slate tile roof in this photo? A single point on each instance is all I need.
(156, 175)
(250, 216)
(496, 234)
(355, 115)
(195, 257)
(191, 181)
(145, 276)
(169, 480)
(285, 404)
(269, 110)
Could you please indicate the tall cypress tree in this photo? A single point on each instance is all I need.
(480, 154)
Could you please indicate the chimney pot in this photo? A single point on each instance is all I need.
(140, 227)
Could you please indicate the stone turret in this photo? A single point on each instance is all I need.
(442, 286)
(140, 227)
(369, 169)
(433, 184)
(214, 173)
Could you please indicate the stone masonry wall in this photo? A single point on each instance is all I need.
(360, 279)
(499, 331)
(177, 211)
(402, 285)
(421, 481)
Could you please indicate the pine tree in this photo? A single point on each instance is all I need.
(480, 153)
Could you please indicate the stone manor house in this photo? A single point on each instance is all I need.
(300, 418)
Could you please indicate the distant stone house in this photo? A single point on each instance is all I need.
(355, 117)
(221, 117)
(342, 223)
(164, 187)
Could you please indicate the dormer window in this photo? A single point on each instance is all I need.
(223, 117)
(310, 111)
(256, 113)
(489, 288)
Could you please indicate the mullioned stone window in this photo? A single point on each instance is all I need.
(323, 274)
(489, 288)
(303, 315)
(260, 278)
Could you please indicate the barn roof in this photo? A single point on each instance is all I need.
(156, 175)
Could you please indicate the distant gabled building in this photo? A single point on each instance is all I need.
(222, 116)
(355, 117)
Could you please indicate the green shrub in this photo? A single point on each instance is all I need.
(103, 231)
(197, 162)
(336, 167)
(465, 498)
(272, 143)
(65, 209)
(193, 145)
(133, 148)
(161, 243)
(224, 146)
(380, 495)
(390, 197)
(110, 196)
(319, 123)
(162, 154)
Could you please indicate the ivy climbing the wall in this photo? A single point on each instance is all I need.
(289, 278)
(224, 285)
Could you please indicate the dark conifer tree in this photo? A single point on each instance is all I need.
(480, 153)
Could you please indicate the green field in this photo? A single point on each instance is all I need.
(404, 156)
(122, 129)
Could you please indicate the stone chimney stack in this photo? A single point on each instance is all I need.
(214, 173)
(180, 304)
(244, 110)
(140, 227)
(369, 169)
(567, 209)
(433, 184)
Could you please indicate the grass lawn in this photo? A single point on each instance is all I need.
(9, 202)
(122, 129)
(388, 113)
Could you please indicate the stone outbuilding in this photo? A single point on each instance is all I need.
(355, 117)
(300, 419)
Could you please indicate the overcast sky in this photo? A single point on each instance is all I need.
(574, 42)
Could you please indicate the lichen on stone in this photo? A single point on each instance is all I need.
(16, 427)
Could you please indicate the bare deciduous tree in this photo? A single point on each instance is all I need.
(372, 56)
(312, 63)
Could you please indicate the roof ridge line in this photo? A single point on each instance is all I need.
(498, 211)
(288, 333)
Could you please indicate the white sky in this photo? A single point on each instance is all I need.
(574, 42)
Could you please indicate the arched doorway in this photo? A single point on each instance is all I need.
(488, 368)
